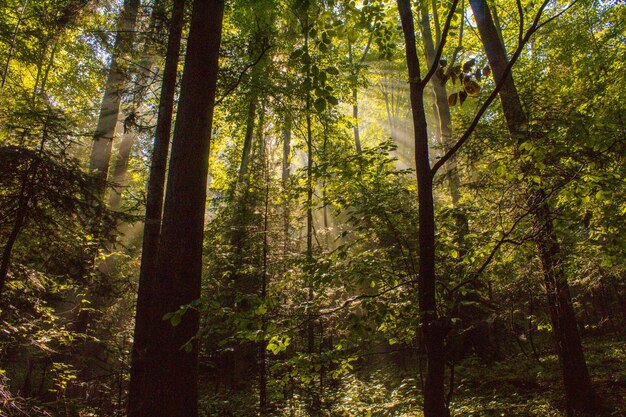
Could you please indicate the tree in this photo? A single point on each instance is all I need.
(170, 385)
(578, 389)
(154, 203)
(110, 107)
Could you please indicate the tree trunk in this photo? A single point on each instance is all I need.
(262, 345)
(110, 107)
(355, 115)
(247, 142)
(119, 170)
(169, 386)
(432, 328)
(579, 392)
(154, 203)
(285, 180)
(142, 80)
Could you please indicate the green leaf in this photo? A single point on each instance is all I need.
(320, 104)
(332, 100)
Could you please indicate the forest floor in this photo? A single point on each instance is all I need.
(517, 386)
(525, 387)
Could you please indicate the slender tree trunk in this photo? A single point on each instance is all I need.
(120, 168)
(285, 182)
(355, 115)
(247, 142)
(314, 400)
(169, 386)
(432, 328)
(579, 392)
(5, 73)
(262, 346)
(110, 107)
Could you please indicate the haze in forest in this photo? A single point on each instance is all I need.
(290, 208)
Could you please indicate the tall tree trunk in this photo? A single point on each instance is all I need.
(432, 328)
(285, 182)
(579, 392)
(142, 79)
(154, 202)
(169, 386)
(314, 400)
(110, 107)
(262, 345)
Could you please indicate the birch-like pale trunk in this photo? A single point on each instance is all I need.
(110, 108)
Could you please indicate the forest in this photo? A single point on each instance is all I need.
(290, 208)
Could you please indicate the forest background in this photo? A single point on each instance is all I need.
(312, 208)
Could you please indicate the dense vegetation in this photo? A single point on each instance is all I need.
(312, 208)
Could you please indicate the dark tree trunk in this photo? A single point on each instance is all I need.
(170, 383)
(286, 162)
(154, 204)
(579, 392)
(433, 330)
(355, 115)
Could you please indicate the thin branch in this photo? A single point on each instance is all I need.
(556, 16)
(354, 299)
(241, 75)
(367, 48)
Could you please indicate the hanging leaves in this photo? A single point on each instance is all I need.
(467, 67)
(462, 97)
(452, 99)
(471, 86)
(320, 104)
(486, 71)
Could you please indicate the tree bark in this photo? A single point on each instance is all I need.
(579, 392)
(433, 330)
(169, 386)
(154, 203)
(110, 107)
